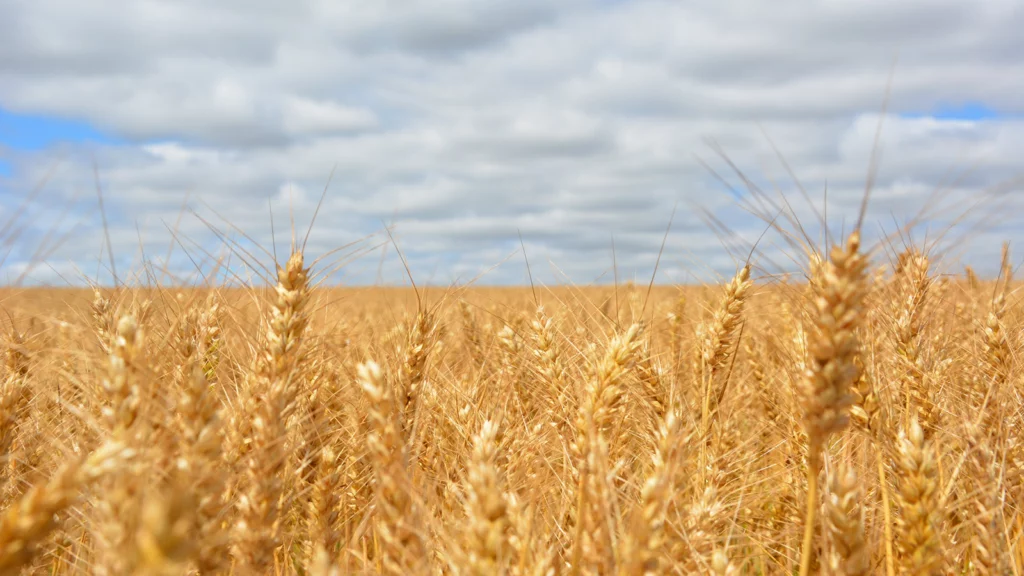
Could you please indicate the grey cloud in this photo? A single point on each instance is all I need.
(437, 28)
(54, 37)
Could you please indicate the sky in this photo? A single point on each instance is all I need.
(472, 129)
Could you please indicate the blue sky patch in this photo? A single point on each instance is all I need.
(972, 111)
(36, 132)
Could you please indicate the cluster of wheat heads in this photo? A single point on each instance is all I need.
(863, 420)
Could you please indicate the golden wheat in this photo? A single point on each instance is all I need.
(606, 431)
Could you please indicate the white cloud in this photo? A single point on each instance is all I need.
(304, 116)
(465, 123)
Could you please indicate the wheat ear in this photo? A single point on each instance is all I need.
(24, 525)
(918, 524)
(839, 287)
(403, 550)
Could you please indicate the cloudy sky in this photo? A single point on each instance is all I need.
(462, 124)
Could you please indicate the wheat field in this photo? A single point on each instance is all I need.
(864, 418)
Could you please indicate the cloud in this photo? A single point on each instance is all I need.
(304, 116)
(465, 124)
